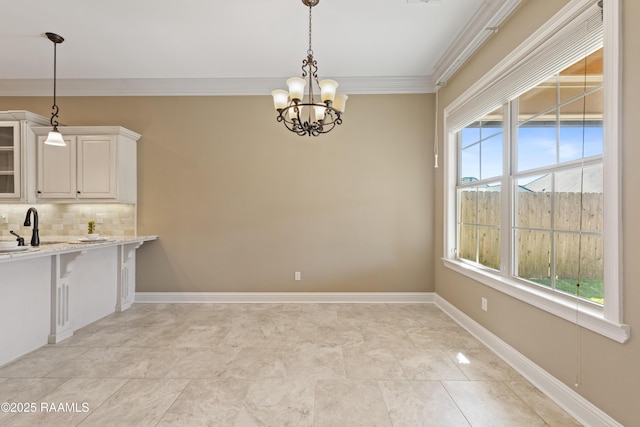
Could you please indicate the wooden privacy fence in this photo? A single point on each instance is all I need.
(480, 234)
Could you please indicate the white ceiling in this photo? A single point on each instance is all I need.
(245, 47)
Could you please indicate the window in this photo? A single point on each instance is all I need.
(527, 173)
(558, 221)
(479, 192)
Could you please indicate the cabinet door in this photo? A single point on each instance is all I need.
(57, 169)
(96, 167)
(10, 160)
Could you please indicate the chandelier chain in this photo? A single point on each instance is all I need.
(310, 51)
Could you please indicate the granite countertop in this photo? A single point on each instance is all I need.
(51, 245)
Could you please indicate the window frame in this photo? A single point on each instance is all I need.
(606, 320)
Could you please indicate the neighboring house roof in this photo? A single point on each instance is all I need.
(569, 181)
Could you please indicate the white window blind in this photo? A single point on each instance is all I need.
(574, 41)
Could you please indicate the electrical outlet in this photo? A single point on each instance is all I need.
(4, 218)
(297, 275)
(99, 218)
(484, 304)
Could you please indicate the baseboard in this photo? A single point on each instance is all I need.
(284, 297)
(576, 405)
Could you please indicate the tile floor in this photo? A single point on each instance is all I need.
(272, 365)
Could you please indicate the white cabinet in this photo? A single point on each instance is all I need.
(17, 155)
(97, 164)
(97, 167)
(57, 169)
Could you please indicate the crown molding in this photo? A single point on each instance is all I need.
(204, 87)
(481, 26)
(88, 130)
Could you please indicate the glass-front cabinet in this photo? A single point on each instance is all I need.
(17, 155)
(9, 160)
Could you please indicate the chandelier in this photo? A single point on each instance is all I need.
(307, 116)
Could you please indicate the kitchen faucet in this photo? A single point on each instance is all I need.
(35, 239)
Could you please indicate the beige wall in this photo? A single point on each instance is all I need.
(610, 371)
(240, 203)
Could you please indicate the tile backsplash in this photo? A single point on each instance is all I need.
(114, 219)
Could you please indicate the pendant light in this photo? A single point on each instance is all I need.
(54, 137)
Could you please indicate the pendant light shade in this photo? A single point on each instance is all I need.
(54, 137)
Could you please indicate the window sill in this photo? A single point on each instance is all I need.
(589, 316)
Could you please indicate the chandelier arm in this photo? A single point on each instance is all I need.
(309, 128)
(297, 108)
(329, 110)
(294, 125)
(332, 125)
(298, 128)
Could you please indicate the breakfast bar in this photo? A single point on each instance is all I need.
(48, 292)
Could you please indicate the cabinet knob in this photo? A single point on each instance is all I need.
(78, 191)
(39, 192)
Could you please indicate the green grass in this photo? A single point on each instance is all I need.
(590, 289)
